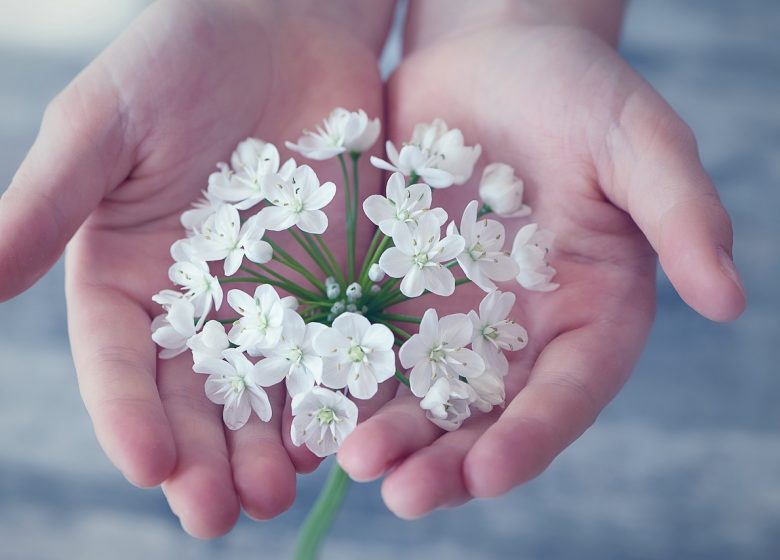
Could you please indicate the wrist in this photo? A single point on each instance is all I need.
(432, 21)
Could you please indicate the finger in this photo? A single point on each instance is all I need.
(396, 431)
(200, 490)
(80, 153)
(263, 473)
(305, 461)
(433, 476)
(654, 173)
(116, 366)
(575, 376)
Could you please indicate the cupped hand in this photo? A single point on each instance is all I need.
(122, 151)
(614, 172)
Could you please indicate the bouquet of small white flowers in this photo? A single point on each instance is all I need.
(329, 331)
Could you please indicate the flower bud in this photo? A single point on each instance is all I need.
(338, 308)
(332, 290)
(502, 191)
(375, 289)
(351, 307)
(375, 273)
(354, 291)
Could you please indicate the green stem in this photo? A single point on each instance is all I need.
(334, 264)
(401, 318)
(397, 330)
(228, 321)
(370, 255)
(355, 203)
(413, 179)
(280, 282)
(402, 378)
(322, 514)
(286, 259)
(313, 251)
(349, 220)
(242, 280)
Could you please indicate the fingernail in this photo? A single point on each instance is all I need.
(728, 268)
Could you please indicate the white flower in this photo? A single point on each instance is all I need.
(260, 326)
(447, 403)
(375, 273)
(238, 385)
(209, 343)
(356, 354)
(252, 161)
(489, 390)
(435, 154)
(502, 191)
(193, 275)
(322, 419)
(194, 218)
(494, 332)
(172, 330)
(418, 256)
(483, 260)
(438, 350)
(342, 131)
(296, 201)
(223, 237)
(293, 358)
(402, 206)
(530, 252)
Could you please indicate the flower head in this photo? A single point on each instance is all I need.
(356, 354)
(435, 154)
(252, 161)
(530, 253)
(447, 403)
(502, 191)
(322, 419)
(201, 288)
(209, 343)
(237, 384)
(296, 201)
(418, 256)
(172, 330)
(223, 237)
(342, 131)
(262, 316)
(483, 259)
(489, 390)
(293, 358)
(403, 206)
(494, 332)
(439, 350)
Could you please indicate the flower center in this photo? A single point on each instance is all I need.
(477, 251)
(490, 332)
(404, 215)
(237, 384)
(262, 322)
(421, 259)
(437, 354)
(297, 206)
(326, 416)
(295, 355)
(357, 353)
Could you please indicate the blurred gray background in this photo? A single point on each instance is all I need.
(684, 464)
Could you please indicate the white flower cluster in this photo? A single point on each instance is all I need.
(332, 340)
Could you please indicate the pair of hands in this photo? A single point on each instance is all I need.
(127, 146)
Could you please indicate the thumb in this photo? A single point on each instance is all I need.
(78, 156)
(655, 174)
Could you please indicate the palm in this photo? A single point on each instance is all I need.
(514, 93)
(188, 104)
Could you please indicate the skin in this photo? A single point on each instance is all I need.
(613, 171)
(127, 147)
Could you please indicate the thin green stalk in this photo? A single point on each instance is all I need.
(280, 282)
(349, 218)
(334, 264)
(242, 280)
(400, 318)
(402, 378)
(355, 203)
(461, 281)
(322, 514)
(397, 330)
(284, 258)
(413, 179)
(313, 252)
(370, 254)
(228, 321)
